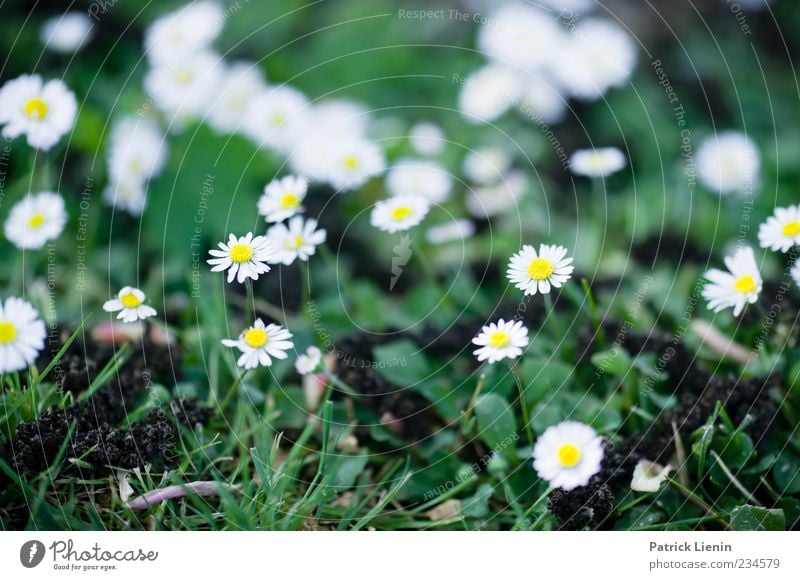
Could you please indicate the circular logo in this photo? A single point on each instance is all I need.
(31, 553)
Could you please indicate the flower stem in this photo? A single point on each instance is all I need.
(523, 404)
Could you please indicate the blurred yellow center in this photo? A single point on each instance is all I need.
(540, 269)
(289, 200)
(278, 119)
(351, 162)
(184, 76)
(499, 339)
(401, 213)
(569, 455)
(7, 332)
(791, 229)
(241, 253)
(36, 221)
(130, 300)
(294, 243)
(36, 108)
(256, 337)
(745, 284)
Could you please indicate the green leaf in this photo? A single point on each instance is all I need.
(347, 471)
(496, 424)
(401, 362)
(477, 506)
(615, 361)
(786, 473)
(748, 517)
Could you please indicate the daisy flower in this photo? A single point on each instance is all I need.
(309, 362)
(486, 165)
(521, 35)
(127, 195)
(459, 229)
(597, 162)
(427, 138)
(245, 257)
(735, 288)
(351, 164)
(399, 213)
(419, 177)
(648, 476)
(278, 118)
(534, 272)
(22, 335)
(242, 84)
(137, 151)
(260, 343)
(283, 198)
(567, 455)
(35, 220)
(492, 200)
(44, 112)
(297, 240)
(66, 33)
(183, 32)
(781, 231)
(728, 163)
(488, 93)
(500, 340)
(130, 305)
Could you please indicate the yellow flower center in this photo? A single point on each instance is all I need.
(540, 269)
(184, 76)
(745, 284)
(36, 108)
(289, 200)
(241, 253)
(130, 300)
(278, 119)
(401, 213)
(294, 243)
(256, 337)
(569, 455)
(8, 332)
(499, 339)
(36, 221)
(350, 162)
(597, 161)
(791, 229)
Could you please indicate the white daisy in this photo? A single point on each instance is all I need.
(66, 33)
(567, 455)
(421, 178)
(130, 305)
(459, 229)
(283, 198)
(128, 195)
(242, 84)
(486, 165)
(492, 200)
(138, 150)
(735, 288)
(399, 213)
(244, 258)
(339, 119)
(488, 93)
(534, 272)
(299, 240)
(22, 335)
(794, 272)
(309, 362)
(35, 220)
(352, 163)
(542, 101)
(600, 162)
(728, 162)
(648, 476)
(427, 138)
(261, 343)
(44, 112)
(278, 118)
(500, 340)
(183, 32)
(781, 231)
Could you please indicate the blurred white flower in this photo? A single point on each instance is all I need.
(35, 220)
(737, 287)
(781, 231)
(183, 32)
(309, 362)
(129, 194)
(241, 84)
(500, 340)
(492, 200)
(137, 150)
(278, 118)
(351, 164)
(260, 343)
(600, 162)
(486, 165)
(43, 112)
(542, 102)
(244, 258)
(339, 119)
(728, 162)
(419, 177)
(794, 272)
(399, 213)
(570, 6)
(22, 335)
(648, 476)
(66, 33)
(298, 240)
(488, 93)
(534, 272)
(459, 229)
(568, 454)
(283, 198)
(427, 138)
(130, 305)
